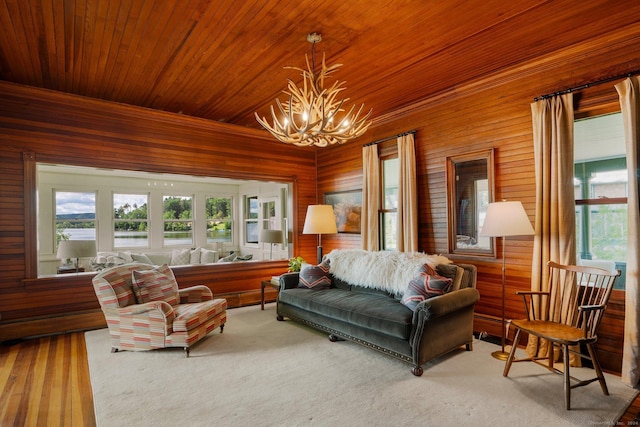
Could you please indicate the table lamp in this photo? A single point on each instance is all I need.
(69, 249)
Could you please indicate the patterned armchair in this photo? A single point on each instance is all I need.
(144, 308)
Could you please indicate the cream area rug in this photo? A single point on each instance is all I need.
(261, 372)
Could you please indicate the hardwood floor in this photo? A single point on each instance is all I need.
(632, 416)
(45, 382)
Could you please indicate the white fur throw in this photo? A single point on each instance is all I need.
(385, 270)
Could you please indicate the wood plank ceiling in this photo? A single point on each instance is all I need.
(223, 60)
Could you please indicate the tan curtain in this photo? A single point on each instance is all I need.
(407, 196)
(370, 197)
(628, 90)
(555, 202)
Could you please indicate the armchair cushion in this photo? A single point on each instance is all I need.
(157, 284)
(191, 316)
(115, 289)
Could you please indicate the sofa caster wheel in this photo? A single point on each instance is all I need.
(417, 371)
(334, 338)
(114, 350)
(279, 318)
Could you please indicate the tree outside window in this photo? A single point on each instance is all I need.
(219, 220)
(178, 220)
(130, 220)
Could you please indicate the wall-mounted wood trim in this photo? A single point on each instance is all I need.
(30, 216)
(49, 325)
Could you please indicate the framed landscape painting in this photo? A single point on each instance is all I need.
(347, 207)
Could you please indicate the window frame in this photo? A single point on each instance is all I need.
(46, 177)
(115, 220)
(76, 221)
(388, 150)
(190, 220)
(583, 169)
(229, 219)
(246, 213)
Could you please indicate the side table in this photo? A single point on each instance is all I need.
(264, 284)
(63, 269)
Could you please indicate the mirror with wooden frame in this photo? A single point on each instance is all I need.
(470, 185)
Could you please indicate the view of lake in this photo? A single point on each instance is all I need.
(140, 239)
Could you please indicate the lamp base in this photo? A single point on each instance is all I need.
(500, 355)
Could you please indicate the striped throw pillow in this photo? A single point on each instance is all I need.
(316, 276)
(157, 284)
(427, 284)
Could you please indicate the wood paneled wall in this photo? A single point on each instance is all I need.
(489, 112)
(493, 113)
(46, 126)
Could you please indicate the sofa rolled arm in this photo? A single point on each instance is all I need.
(445, 304)
(289, 280)
(197, 293)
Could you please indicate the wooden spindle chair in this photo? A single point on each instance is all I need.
(567, 316)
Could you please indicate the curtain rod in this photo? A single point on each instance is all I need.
(391, 137)
(584, 86)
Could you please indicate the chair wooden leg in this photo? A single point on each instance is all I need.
(512, 353)
(598, 369)
(567, 378)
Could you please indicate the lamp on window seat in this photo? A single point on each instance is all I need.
(272, 237)
(505, 219)
(320, 220)
(69, 249)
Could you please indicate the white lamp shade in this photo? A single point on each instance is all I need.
(271, 236)
(506, 219)
(76, 249)
(320, 219)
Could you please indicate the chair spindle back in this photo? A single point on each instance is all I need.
(571, 287)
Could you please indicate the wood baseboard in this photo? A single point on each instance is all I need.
(51, 325)
(487, 324)
(94, 319)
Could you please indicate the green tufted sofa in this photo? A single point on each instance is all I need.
(376, 318)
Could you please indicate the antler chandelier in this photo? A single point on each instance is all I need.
(314, 114)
